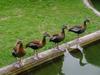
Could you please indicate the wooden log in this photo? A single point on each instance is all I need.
(48, 55)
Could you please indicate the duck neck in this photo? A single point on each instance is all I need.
(21, 47)
(63, 31)
(85, 24)
(44, 40)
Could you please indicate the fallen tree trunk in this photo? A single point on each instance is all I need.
(48, 55)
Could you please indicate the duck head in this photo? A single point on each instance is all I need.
(64, 27)
(86, 21)
(45, 34)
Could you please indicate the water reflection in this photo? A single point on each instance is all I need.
(79, 55)
(91, 55)
(73, 63)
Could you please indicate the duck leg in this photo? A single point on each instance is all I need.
(77, 40)
(57, 46)
(18, 63)
(36, 55)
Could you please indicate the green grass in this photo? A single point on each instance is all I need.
(28, 19)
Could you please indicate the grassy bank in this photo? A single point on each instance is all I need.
(28, 19)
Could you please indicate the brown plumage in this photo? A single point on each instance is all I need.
(56, 38)
(18, 51)
(37, 44)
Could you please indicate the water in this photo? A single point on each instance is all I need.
(73, 63)
(96, 4)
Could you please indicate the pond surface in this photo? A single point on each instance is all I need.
(96, 4)
(73, 63)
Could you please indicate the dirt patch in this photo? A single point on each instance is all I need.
(2, 18)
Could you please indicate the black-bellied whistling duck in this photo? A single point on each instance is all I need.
(37, 44)
(56, 38)
(18, 51)
(79, 29)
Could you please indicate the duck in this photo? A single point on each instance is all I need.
(37, 44)
(57, 38)
(79, 29)
(18, 52)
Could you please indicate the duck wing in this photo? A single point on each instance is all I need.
(55, 36)
(35, 43)
(75, 28)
